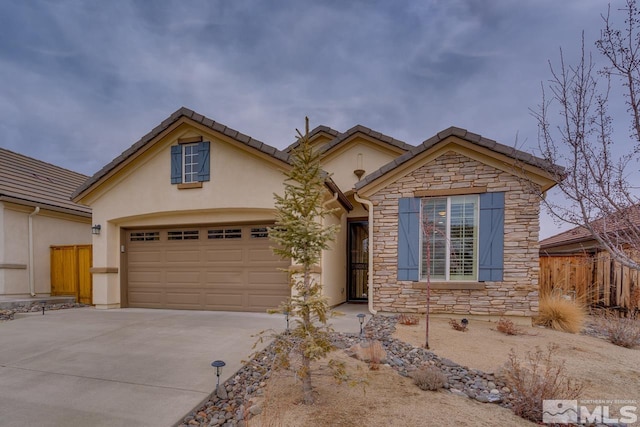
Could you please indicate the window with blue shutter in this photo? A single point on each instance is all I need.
(190, 162)
(464, 238)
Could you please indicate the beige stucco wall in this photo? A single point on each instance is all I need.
(517, 295)
(49, 228)
(341, 162)
(334, 262)
(241, 189)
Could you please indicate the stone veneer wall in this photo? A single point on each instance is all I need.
(517, 295)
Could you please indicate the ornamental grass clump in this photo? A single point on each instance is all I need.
(560, 314)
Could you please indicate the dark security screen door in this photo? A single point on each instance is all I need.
(358, 260)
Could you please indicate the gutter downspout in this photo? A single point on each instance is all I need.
(32, 285)
(370, 260)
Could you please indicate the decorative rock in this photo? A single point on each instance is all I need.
(255, 409)
(482, 398)
(494, 391)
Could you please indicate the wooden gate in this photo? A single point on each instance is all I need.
(70, 274)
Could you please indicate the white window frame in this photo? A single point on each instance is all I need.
(447, 268)
(190, 159)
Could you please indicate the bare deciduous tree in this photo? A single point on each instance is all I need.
(597, 184)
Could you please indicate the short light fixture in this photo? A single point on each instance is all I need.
(96, 229)
(286, 316)
(361, 317)
(464, 322)
(43, 303)
(218, 364)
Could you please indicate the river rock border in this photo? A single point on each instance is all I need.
(32, 307)
(249, 382)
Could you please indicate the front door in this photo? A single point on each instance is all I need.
(358, 260)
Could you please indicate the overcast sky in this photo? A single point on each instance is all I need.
(80, 81)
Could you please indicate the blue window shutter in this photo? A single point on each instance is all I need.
(491, 237)
(176, 164)
(203, 161)
(409, 239)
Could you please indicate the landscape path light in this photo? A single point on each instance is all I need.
(218, 364)
(286, 316)
(361, 317)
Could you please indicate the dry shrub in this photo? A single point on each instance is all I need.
(375, 354)
(408, 319)
(619, 330)
(457, 326)
(429, 378)
(560, 314)
(536, 378)
(507, 327)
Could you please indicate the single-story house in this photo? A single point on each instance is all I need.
(184, 215)
(35, 213)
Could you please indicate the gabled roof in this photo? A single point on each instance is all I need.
(25, 180)
(369, 132)
(173, 118)
(580, 234)
(339, 138)
(315, 131)
(463, 134)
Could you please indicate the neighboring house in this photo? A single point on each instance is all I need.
(35, 213)
(574, 263)
(184, 213)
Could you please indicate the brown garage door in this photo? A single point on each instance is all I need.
(205, 268)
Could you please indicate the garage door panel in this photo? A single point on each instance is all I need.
(224, 273)
(224, 256)
(231, 277)
(266, 277)
(263, 254)
(183, 277)
(147, 298)
(183, 257)
(184, 298)
(142, 276)
(224, 300)
(145, 257)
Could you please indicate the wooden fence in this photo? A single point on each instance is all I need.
(596, 280)
(70, 274)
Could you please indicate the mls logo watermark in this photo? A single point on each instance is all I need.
(559, 411)
(589, 411)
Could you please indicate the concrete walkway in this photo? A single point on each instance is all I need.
(123, 367)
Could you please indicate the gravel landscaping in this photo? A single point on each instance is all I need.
(250, 381)
(32, 307)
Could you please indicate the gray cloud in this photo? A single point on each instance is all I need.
(81, 81)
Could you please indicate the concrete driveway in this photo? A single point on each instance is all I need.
(87, 367)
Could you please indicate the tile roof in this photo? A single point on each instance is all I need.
(467, 136)
(367, 131)
(312, 133)
(34, 182)
(177, 115)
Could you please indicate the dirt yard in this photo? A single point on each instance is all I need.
(389, 399)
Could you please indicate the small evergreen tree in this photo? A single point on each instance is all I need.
(301, 237)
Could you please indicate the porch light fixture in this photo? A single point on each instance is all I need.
(218, 364)
(96, 229)
(361, 317)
